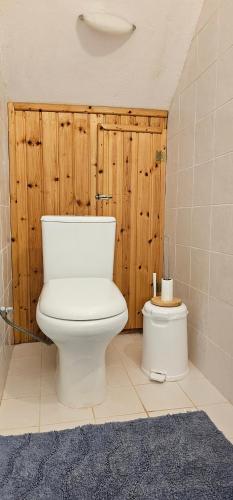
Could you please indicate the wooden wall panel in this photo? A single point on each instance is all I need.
(60, 157)
(65, 155)
(51, 182)
(81, 164)
(34, 209)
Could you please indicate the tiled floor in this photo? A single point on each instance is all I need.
(30, 404)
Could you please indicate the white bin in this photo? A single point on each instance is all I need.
(165, 350)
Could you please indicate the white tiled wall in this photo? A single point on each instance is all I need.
(199, 199)
(5, 245)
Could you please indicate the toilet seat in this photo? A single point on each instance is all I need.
(81, 299)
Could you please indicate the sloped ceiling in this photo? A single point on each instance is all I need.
(48, 56)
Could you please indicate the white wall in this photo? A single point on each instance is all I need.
(49, 56)
(199, 203)
(5, 244)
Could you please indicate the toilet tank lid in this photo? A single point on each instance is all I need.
(76, 218)
(81, 299)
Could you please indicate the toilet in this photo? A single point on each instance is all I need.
(80, 308)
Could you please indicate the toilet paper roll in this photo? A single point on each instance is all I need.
(167, 290)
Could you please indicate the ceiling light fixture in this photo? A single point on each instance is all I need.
(107, 23)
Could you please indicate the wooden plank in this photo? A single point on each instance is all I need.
(14, 216)
(34, 208)
(51, 180)
(76, 108)
(143, 223)
(132, 128)
(65, 160)
(129, 226)
(22, 221)
(154, 210)
(81, 164)
(94, 120)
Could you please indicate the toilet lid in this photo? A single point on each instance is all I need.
(81, 299)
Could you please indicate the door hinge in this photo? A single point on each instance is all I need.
(161, 155)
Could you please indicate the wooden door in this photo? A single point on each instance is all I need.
(61, 156)
(131, 175)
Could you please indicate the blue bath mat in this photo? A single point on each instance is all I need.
(177, 457)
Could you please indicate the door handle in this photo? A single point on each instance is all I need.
(103, 196)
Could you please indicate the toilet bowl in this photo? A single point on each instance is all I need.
(80, 308)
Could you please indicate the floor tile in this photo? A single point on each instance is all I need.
(48, 383)
(116, 374)
(162, 396)
(193, 371)
(131, 357)
(119, 401)
(25, 366)
(65, 425)
(22, 412)
(121, 418)
(222, 416)
(49, 357)
(27, 349)
(22, 384)
(18, 431)
(51, 411)
(170, 412)
(122, 341)
(201, 391)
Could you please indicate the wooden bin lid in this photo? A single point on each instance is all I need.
(157, 301)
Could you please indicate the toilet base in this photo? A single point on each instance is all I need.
(81, 379)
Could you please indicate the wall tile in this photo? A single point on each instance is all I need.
(185, 188)
(174, 117)
(182, 290)
(220, 321)
(186, 150)
(198, 309)
(219, 369)
(208, 9)
(170, 222)
(187, 107)
(203, 184)
(199, 269)
(182, 267)
(221, 277)
(207, 44)
(223, 179)
(183, 226)
(224, 129)
(222, 229)
(225, 77)
(206, 92)
(173, 154)
(197, 344)
(190, 67)
(171, 190)
(201, 227)
(204, 139)
(225, 24)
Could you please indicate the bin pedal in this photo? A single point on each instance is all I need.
(158, 376)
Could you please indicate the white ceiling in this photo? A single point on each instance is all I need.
(47, 56)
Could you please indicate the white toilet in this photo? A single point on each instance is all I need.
(80, 308)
